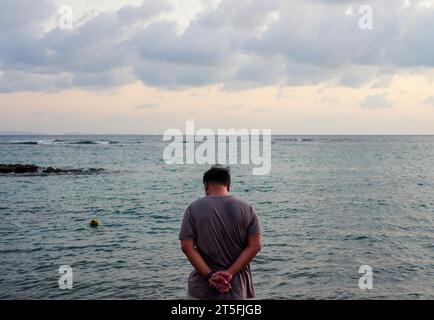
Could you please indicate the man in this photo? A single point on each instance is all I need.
(220, 235)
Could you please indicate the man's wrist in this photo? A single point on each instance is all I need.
(231, 272)
(209, 275)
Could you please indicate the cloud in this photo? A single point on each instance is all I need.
(261, 109)
(375, 102)
(246, 43)
(429, 100)
(324, 97)
(94, 55)
(147, 106)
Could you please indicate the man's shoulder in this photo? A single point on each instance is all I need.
(198, 201)
(241, 201)
(235, 200)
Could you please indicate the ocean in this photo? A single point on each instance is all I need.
(329, 205)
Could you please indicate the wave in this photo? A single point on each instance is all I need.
(318, 139)
(46, 141)
(80, 171)
(295, 139)
(84, 142)
(87, 142)
(30, 142)
(59, 141)
(24, 142)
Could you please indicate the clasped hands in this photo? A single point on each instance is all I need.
(221, 280)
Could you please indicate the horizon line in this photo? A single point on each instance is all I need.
(161, 134)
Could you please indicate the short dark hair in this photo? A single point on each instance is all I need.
(219, 175)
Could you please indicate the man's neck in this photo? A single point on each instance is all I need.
(218, 191)
(219, 194)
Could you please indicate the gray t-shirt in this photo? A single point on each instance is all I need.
(220, 226)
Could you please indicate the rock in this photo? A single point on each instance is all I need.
(18, 168)
(52, 170)
(49, 170)
(30, 168)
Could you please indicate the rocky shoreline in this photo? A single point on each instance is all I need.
(18, 168)
(31, 168)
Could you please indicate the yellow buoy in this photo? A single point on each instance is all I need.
(94, 223)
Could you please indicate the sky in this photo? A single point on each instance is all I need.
(142, 67)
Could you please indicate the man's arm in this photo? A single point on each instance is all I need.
(187, 246)
(200, 265)
(254, 245)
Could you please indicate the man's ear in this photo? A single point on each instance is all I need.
(206, 186)
(229, 187)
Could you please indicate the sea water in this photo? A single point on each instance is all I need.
(329, 205)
